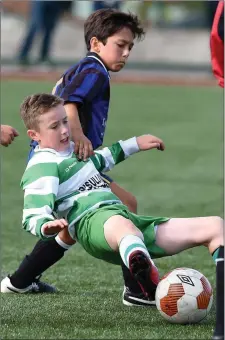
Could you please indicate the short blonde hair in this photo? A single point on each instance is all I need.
(36, 105)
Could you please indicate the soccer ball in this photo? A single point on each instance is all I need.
(184, 296)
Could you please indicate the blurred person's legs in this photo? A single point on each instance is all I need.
(211, 7)
(106, 4)
(143, 12)
(51, 15)
(35, 24)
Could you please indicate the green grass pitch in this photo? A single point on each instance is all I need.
(185, 180)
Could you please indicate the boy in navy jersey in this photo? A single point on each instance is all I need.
(85, 89)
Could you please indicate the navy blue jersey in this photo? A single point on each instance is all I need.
(87, 85)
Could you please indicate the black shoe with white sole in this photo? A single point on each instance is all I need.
(36, 287)
(132, 299)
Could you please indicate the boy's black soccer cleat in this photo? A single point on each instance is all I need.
(36, 287)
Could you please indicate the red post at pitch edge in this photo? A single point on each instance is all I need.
(217, 44)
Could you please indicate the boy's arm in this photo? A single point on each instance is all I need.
(83, 146)
(40, 184)
(104, 160)
(77, 90)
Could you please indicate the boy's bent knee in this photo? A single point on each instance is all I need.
(217, 224)
(117, 227)
(216, 220)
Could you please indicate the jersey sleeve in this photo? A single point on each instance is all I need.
(105, 159)
(40, 183)
(83, 87)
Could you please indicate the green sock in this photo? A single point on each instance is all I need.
(215, 254)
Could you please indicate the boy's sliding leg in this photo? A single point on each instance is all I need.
(122, 235)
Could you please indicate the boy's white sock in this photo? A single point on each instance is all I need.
(130, 244)
(61, 243)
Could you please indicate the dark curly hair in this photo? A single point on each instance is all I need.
(106, 22)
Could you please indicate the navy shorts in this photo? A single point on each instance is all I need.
(33, 145)
(106, 178)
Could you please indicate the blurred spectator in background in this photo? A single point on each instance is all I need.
(211, 7)
(144, 11)
(106, 4)
(44, 16)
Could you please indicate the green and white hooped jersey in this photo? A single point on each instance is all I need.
(58, 185)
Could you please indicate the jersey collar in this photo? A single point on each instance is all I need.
(57, 153)
(96, 56)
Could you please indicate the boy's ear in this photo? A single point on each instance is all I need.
(94, 42)
(32, 134)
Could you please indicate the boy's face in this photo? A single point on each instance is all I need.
(116, 50)
(53, 130)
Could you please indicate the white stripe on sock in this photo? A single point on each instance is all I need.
(136, 249)
(128, 241)
(219, 260)
(61, 243)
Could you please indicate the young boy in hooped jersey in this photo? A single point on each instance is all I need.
(62, 202)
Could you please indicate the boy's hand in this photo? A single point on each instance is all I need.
(54, 227)
(8, 133)
(83, 147)
(148, 142)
